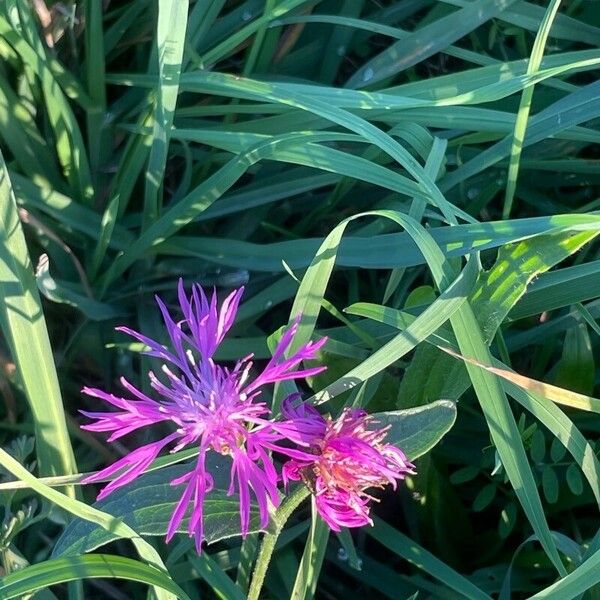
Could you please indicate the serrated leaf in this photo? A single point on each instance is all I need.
(147, 505)
(418, 430)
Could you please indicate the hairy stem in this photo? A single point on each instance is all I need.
(282, 514)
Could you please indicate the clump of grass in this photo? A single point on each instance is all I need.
(418, 179)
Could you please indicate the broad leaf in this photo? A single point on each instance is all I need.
(147, 506)
(417, 430)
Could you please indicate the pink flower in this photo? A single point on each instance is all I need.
(210, 406)
(339, 460)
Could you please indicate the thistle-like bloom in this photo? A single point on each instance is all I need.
(339, 460)
(210, 406)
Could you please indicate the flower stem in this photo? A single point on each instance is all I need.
(282, 514)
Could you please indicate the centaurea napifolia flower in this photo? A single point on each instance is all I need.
(339, 459)
(210, 406)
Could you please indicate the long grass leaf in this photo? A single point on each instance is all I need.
(525, 106)
(25, 329)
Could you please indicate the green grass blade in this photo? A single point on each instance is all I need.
(82, 510)
(95, 71)
(584, 577)
(68, 139)
(170, 40)
(403, 546)
(376, 252)
(216, 577)
(312, 558)
(530, 16)
(51, 572)
(21, 135)
(25, 329)
(525, 105)
(426, 42)
(571, 110)
(234, 40)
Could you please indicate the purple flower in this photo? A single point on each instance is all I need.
(211, 406)
(338, 460)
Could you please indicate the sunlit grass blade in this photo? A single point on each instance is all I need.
(69, 144)
(82, 510)
(525, 106)
(546, 411)
(61, 570)
(170, 41)
(25, 330)
(312, 558)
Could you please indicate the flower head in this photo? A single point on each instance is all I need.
(210, 406)
(339, 460)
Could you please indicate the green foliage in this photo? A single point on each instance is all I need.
(419, 179)
(147, 506)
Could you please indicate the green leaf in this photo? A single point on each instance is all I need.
(576, 369)
(61, 292)
(82, 510)
(51, 572)
(538, 446)
(147, 505)
(464, 475)
(408, 549)
(485, 497)
(417, 430)
(581, 579)
(170, 41)
(426, 42)
(550, 484)
(24, 327)
(574, 481)
(557, 451)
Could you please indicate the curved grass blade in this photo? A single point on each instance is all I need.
(546, 411)
(51, 572)
(82, 510)
(426, 41)
(583, 578)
